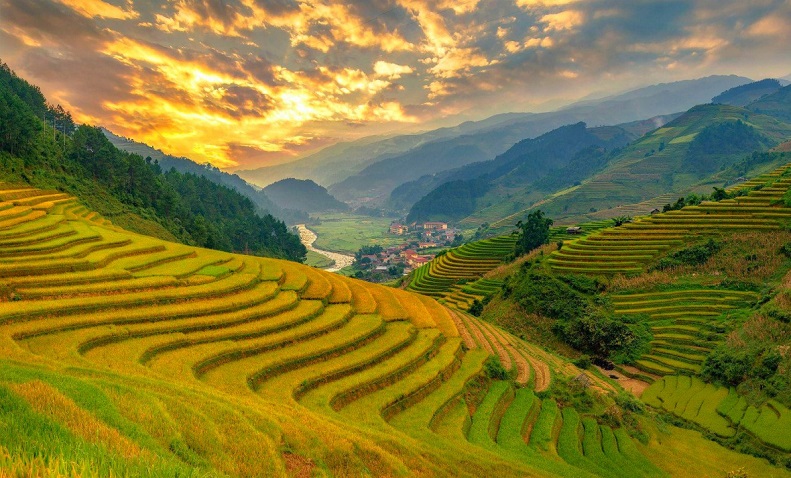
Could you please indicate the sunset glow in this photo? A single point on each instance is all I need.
(245, 83)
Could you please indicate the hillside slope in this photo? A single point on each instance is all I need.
(558, 158)
(688, 153)
(215, 175)
(137, 193)
(303, 195)
(691, 305)
(127, 355)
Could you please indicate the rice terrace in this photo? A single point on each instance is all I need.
(402, 238)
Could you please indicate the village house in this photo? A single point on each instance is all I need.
(434, 226)
(409, 253)
(417, 261)
(398, 229)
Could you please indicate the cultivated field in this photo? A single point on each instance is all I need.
(138, 357)
(629, 249)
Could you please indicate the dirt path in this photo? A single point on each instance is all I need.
(308, 237)
(463, 332)
(633, 385)
(543, 375)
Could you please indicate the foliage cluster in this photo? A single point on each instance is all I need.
(604, 336)
(580, 321)
(532, 233)
(494, 369)
(690, 256)
(694, 199)
(755, 358)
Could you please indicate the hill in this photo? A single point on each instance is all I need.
(674, 158)
(303, 195)
(130, 356)
(566, 155)
(746, 94)
(134, 192)
(213, 174)
(776, 104)
(682, 301)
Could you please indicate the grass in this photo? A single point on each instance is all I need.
(347, 233)
(320, 261)
(485, 420)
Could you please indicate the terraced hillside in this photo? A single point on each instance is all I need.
(685, 324)
(455, 277)
(632, 247)
(135, 356)
(721, 411)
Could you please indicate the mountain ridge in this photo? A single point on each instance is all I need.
(376, 181)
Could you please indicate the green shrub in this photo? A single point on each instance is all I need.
(690, 256)
(606, 337)
(494, 369)
(541, 293)
(476, 308)
(532, 233)
(584, 362)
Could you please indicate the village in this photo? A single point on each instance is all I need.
(422, 241)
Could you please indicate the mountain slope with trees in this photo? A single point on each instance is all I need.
(548, 157)
(303, 195)
(212, 173)
(746, 94)
(132, 192)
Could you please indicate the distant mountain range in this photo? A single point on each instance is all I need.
(351, 171)
(695, 151)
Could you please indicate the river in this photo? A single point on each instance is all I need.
(308, 237)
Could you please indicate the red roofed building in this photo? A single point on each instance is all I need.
(398, 229)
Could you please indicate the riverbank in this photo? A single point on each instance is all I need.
(308, 237)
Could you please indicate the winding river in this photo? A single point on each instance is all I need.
(308, 237)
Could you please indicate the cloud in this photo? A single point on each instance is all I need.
(565, 20)
(391, 70)
(100, 9)
(240, 81)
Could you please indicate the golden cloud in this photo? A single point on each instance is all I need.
(98, 8)
(543, 3)
(771, 26)
(565, 20)
(183, 103)
(391, 70)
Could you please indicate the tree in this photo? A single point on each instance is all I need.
(532, 233)
(621, 220)
(476, 308)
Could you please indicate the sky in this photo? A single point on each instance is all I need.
(249, 83)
